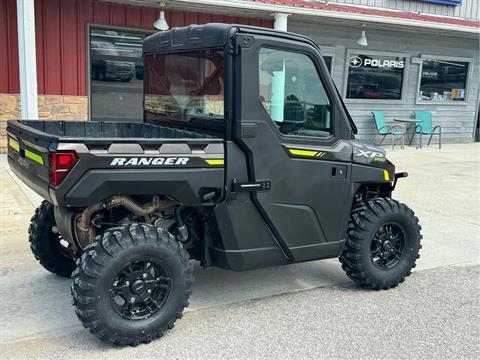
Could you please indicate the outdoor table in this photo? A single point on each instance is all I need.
(409, 124)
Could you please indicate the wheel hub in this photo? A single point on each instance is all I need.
(388, 246)
(140, 289)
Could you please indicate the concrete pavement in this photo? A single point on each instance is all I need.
(443, 189)
(433, 315)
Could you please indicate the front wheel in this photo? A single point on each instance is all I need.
(132, 284)
(383, 243)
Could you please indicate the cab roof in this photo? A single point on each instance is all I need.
(212, 35)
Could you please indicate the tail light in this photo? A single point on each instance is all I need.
(60, 165)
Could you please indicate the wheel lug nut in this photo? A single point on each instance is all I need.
(127, 282)
(145, 275)
(149, 291)
(132, 299)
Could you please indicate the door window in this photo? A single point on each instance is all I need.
(292, 93)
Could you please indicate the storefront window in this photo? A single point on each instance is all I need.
(443, 80)
(116, 75)
(375, 77)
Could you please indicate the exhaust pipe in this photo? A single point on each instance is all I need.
(84, 230)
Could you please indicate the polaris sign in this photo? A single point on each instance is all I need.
(357, 61)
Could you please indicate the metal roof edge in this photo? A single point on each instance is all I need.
(272, 6)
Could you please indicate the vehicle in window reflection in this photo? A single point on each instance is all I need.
(104, 65)
(373, 85)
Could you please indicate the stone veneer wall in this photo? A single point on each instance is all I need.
(50, 107)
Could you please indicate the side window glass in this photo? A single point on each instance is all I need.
(292, 93)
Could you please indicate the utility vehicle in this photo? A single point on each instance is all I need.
(246, 158)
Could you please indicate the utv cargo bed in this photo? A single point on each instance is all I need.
(31, 141)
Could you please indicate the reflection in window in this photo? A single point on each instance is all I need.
(443, 80)
(116, 75)
(375, 77)
(292, 93)
(185, 88)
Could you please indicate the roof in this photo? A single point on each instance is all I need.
(370, 11)
(212, 35)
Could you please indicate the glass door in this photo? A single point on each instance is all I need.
(116, 75)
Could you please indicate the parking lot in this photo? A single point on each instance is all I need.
(309, 310)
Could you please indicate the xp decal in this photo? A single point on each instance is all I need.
(370, 154)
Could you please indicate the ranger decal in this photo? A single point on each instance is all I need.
(147, 161)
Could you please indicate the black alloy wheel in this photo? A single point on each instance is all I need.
(140, 289)
(388, 246)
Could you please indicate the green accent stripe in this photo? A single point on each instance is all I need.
(32, 156)
(14, 144)
(214, 161)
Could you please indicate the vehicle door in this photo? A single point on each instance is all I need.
(290, 126)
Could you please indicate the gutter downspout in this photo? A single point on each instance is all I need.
(27, 57)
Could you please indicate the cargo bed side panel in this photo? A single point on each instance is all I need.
(184, 171)
(30, 163)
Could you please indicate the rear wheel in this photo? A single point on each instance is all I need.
(52, 252)
(383, 243)
(132, 284)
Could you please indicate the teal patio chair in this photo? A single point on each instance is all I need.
(384, 130)
(424, 127)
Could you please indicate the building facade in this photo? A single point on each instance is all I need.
(421, 55)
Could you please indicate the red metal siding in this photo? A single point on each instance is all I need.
(61, 38)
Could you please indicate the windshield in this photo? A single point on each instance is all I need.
(185, 88)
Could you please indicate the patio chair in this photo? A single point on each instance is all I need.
(424, 127)
(384, 130)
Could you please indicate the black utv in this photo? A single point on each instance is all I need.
(246, 158)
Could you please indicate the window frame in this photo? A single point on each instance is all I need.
(424, 57)
(309, 54)
(350, 52)
(328, 51)
(88, 28)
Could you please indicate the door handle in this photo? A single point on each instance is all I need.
(338, 172)
(264, 185)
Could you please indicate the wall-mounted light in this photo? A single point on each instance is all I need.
(363, 38)
(161, 23)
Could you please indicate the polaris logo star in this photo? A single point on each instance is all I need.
(149, 161)
(355, 61)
